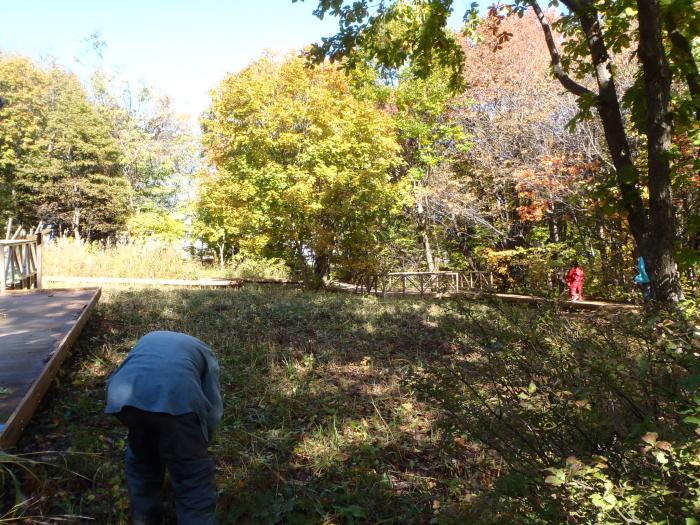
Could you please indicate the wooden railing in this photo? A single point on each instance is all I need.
(20, 262)
(424, 282)
(367, 283)
(476, 280)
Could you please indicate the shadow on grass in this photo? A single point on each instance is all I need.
(319, 426)
(322, 422)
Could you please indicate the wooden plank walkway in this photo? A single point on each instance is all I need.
(204, 283)
(609, 306)
(37, 328)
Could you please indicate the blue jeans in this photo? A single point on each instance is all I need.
(158, 441)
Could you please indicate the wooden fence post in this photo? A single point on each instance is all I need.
(3, 276)
(11, 263)
(39, 253)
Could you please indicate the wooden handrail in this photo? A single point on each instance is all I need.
(16, 242)
(20, 263)
(448, 281)
(423, 273)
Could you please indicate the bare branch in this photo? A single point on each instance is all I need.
(565, 80)
(682, 54)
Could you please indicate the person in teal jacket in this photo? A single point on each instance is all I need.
(167, 393)
(642, 279)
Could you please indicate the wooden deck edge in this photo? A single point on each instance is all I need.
(284, 282)
(26, 291)
(206, 283)
(19, 419)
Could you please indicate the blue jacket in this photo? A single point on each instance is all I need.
(642, 277)
(172, 373)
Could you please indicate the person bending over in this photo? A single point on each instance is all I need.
(167, 393)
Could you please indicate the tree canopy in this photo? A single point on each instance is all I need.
(82, 161)
(303, 168)
(398, 32)
(59, 161)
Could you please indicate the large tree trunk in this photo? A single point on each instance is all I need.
(222, 262)
(608, 105)
(76, 223)
(613, 126)
(428, 251)
(653, 233)
(553, 224)
(660, 248)
(222, 252)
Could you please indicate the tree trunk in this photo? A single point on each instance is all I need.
(603, 248)
(653, 233)
(553, 225)
(322, 266)
(613, 126)
(608, 105)
(423, 227)
(428, 251)
(302, 264)
(76, 223)
(660, 250)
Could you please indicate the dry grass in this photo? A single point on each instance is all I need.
(148, 259)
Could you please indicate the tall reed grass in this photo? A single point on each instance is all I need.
(147, 259)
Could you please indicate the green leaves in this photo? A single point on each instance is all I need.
(303, 165)
(393, 35)
(59, 161)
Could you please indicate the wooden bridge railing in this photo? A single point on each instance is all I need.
(424, 282)
(421, 282)
(476, 280)
(20, 263)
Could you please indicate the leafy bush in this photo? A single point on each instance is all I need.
(586, 420)
(252, 267)
(542, 270)
(156, 225)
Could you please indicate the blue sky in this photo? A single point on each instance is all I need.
(181, 47)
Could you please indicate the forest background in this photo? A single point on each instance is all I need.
(408, 147)
(348, 172)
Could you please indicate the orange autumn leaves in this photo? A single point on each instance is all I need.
(554, 179)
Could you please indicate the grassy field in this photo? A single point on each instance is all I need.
(328, 418)
(317, 425)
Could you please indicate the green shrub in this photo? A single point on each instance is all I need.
(250, 267)
(586, 420)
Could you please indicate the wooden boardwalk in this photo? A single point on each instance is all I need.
(37, 329)
(132, 281)
(587, 304)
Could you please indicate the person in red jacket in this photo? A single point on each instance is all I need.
(575, 281)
